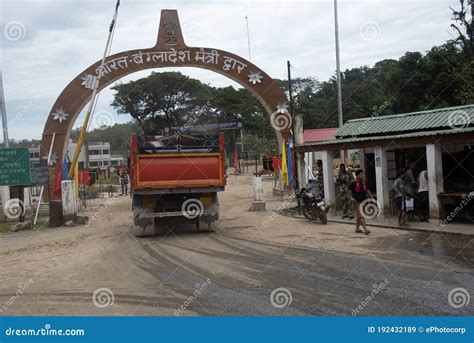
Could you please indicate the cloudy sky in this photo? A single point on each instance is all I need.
(45, 44)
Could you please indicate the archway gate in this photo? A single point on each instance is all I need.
(170, 50)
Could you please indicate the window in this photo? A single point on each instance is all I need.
(93, 164)
(94, 152)
(105, 152)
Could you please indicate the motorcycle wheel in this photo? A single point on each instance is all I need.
(323, 218)
(308, 214)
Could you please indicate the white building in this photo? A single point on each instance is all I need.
(95, 156)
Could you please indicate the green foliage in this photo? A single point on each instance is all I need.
(442, 77)
(117, 135)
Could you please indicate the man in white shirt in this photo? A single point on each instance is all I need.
(423, 208)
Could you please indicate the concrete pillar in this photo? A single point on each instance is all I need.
(328, 180)
(4, 197)
(381, 180)
(362, 159)
(309, 158)
(434, 163)
(298, 140)
(68, 196)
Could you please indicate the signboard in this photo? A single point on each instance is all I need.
(39, 173)
(206, 127)
(14, 167)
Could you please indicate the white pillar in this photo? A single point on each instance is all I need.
(68, 196)
(381, 179)
(434, 162)
(4, 197)
(308, 157)
(328, 180)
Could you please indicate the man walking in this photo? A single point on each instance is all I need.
(344, 179)
(358, 192)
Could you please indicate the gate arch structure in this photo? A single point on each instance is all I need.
(170, 50)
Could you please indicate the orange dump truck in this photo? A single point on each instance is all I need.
(175, 179)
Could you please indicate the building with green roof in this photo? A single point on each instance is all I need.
(440, 139)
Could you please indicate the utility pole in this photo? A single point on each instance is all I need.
(4, 190)
(338, 71)
(4, 113)
(248, 37)
(290, 168)
(82, 134)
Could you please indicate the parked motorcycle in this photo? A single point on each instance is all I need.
(314, 206)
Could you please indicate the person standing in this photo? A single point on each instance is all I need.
(344, 179)
(411, 189)
(358, 192)
(124, 181)
(423, 208)
(400, 198)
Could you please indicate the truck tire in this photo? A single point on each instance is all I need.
(210, 221)
(140, 231)
(142, 226)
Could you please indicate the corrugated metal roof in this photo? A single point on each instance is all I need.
(391, 137)
(442, 118)
(317, 135)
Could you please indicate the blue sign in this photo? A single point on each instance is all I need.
(206, 127)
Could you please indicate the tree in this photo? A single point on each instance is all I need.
(161, 99)
(463, 27)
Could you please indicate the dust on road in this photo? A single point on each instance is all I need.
(321, 270)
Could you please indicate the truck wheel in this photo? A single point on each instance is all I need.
(142, 226)
(140, 231)
(323, 218)
(210, 221)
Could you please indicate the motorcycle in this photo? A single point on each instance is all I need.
(314, 206)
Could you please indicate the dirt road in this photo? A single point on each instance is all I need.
(258, 263)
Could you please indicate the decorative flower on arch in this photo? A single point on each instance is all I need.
(282, 107)
(60, 115)
(255, 77)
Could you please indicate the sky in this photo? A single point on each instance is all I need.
(45, 44)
